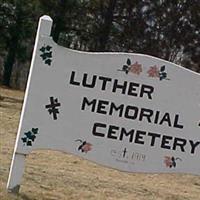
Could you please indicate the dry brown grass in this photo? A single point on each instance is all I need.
(56, 176)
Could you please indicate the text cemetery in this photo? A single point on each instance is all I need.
(131, 112)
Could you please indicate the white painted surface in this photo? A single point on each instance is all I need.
(16, 172)
(18, 159)
(178, 95)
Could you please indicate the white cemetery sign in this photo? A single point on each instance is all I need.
(131, 112)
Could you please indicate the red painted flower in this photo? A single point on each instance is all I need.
(136, 68)
(168, 161)
(171, 161)
(86, 147)
(153, 71)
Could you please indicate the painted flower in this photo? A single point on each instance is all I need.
(153, 71)
(84, 147)
(170, 161)
(136, 68)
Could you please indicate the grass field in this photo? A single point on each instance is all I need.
(57, 176)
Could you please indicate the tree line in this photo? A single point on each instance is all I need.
(168, 29)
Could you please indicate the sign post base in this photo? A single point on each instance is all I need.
(16, 172)
(18, 160)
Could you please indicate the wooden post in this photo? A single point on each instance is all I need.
(16, 172)
(18, 159)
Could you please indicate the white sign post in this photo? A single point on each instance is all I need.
(131, 112)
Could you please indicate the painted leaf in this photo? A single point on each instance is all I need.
(125, 67)
(29, 143)
(162, 69)
(48, 61)
(24, 139)
(48, 48)
(128, 61)
(28, 134)
(49, 55)
(42, 49)
(163, 75)
(35, 130)
(32, 137)
(44, 56)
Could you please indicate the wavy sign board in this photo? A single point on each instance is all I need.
(131, 112)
